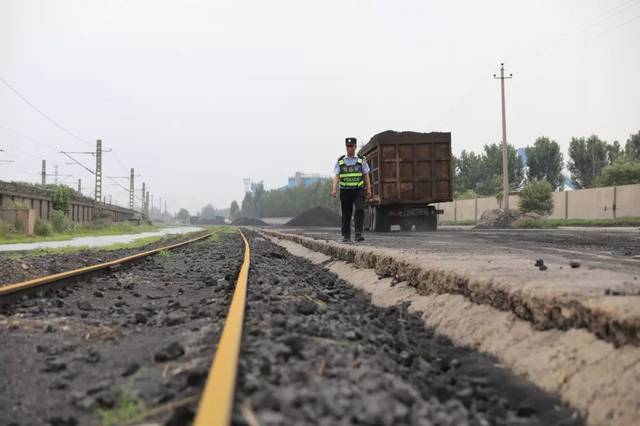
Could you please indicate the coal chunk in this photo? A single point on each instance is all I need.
(170, 352)
(306, 307)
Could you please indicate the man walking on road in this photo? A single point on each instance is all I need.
(352, 173)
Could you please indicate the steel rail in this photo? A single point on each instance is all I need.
(36, 282)
(216, 404)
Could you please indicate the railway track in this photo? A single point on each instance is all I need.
(16, 289)
(314, 350)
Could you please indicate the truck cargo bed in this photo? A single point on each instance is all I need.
(409, 167)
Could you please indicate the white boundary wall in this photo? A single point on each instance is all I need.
(610, 202)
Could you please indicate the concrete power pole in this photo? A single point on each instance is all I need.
(165, 205)
(80, 186)
(146, 204)
(505, 164)
(131, 190)
(98, 170)
(44, 172)
(142, 206)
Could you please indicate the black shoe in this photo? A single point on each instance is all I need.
(346, 239)
(359, 238)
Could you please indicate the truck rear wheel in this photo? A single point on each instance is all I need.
(406, 226)
(380, 220)
(428, 223)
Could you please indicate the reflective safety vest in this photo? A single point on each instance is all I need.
(351, 176)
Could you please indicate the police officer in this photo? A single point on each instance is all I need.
(352, 173)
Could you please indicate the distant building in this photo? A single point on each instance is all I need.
(522, 155)
(303, 179)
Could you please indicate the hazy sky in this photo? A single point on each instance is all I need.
(197, 95)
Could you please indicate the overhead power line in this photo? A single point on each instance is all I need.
(51, 120)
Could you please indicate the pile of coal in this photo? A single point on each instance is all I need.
(248, 221)
(316, 216)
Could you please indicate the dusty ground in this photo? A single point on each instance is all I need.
(315, 351)
(605, 248)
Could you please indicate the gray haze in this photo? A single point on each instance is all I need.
(197, 95)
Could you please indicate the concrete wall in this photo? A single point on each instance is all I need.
(80, 211)
(23, 219)
(628, 200)
(595, 203)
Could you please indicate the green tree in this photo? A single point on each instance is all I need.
(545, 161)
(587, 158)
(62, 198)
(234, 209)
(614, 152)
(482, 173)
(493, 163)
(208, 212)
(468, 169)
(248, 208)
(632, 147)
(536, 197)
(621, 172)
(183, 216)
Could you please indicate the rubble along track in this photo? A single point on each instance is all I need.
(545, 311)
(315, 351)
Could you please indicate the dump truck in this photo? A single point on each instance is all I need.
(410, 171)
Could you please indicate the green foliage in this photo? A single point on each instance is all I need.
(465, 195)
(42, 228)
(6, 230)
(533, 223)
(234, 210)
(62, 198)
(614, 152)
(632, 147)
(18, 205)
(126, 409)
(209, 212)
(621, 221)
(545, 161)
(587, 158)
(482, 173)
(621, 172)
(536, 197)
(60, 221)
(183, 216)
(288, 202)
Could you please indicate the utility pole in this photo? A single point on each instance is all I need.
(146, 204)
(165, 205)
(131, 190)
(44, 172)
(55, 173)
(151, 208)
(98, 171)
(143, 195)
(505, 164)
(80, 186)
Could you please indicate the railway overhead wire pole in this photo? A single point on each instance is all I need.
(505, 164)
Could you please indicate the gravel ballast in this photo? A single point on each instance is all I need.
(315, 351)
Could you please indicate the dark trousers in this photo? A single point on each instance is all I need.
(349, 197)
